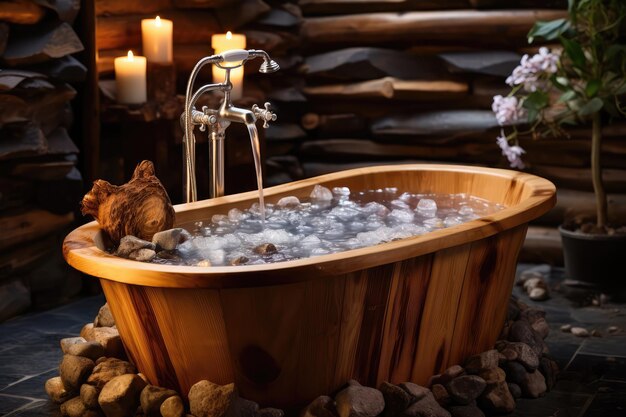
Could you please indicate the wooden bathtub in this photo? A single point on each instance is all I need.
(288, 332)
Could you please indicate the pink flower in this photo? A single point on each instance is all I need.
(513, 153)
(532, 71)
(507, 110)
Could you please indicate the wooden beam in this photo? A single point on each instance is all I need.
(333, 7)
(125, 31)
(391, 88)
(29, 225)
(580, 178)
(376, 28)
(21, 12)
(123, 7)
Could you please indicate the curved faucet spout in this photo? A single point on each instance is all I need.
(235, 114)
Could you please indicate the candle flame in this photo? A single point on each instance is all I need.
(229, 35)
(130, 56)
(157, 21)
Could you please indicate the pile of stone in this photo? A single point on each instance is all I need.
(96, 380)
(534, 284)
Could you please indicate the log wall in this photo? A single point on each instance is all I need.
(40, 185)
(372, 82)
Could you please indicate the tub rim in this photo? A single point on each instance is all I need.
(80, 251)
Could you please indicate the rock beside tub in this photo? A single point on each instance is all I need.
(108, 337)
(104, 317)
(359, 401)
(152, 397)
(130, 245)
(139, 208)
(170, 239)
(120, 396)
(207, 399)
(487, 384)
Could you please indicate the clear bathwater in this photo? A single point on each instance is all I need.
(329, 221)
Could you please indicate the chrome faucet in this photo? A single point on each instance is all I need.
(218, 120)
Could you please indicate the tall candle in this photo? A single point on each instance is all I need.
(156, 36)
(224, 42)
(130, 78)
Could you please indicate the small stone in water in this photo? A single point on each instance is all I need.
(321, 193)
(240, 260)
(427, 207)
(580, 332)
(290, 201)
(265, 249)
(142, 255)
(130, 244)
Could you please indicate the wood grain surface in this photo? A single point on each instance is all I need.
(288, 332)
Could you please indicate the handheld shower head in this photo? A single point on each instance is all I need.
(269, 66)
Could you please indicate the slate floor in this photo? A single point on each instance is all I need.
(592, 382)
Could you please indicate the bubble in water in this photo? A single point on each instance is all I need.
(235, 215)
(320, 193)
(452, 221)
(399, 204)
(466, 211)
(427, 207)
(291, 201)
(343, 191)
(404, 216)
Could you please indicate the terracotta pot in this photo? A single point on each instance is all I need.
(597, 259)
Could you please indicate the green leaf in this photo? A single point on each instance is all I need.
(592, 106)
(536, 100)
(549, 30)
(575, 52)
(592, 87)
(567, 96)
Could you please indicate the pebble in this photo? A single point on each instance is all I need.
(359, 401)
(109, 369)
(579, 331)
(538, 294)
(89, 396)
(172, 407)
(485, 360)
(566, 328)
(415, 391)
(533, 385)
(243, 408)
(240, 260)
(91, 350)
(270, 412)
(108, 337)
(613, 329)
(515, 390)
(441, 394)
(265, 249)
(446, 376)
(526, 275)
(466, 411)
(496, 399)
(120, 396)
(56, 390)
(207, 399)
(152, 397)
(427, 406)
(396, 399)
(322, 406)
(129, 244)
(69, 341)
(466, 388)
(73, 407)
(493, 376)
(170, 239)
(142, 255)
(596, 333)
(75, 370)
(104, 317)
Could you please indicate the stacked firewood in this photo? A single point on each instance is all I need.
(40, 186)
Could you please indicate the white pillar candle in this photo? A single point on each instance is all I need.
(156, 36)
(130, 79)
(224, 42)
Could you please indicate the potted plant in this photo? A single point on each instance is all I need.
(580, 81)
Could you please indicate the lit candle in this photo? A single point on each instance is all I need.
(130, 79)
(224, 42)
(156, 36)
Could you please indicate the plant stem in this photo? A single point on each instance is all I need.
(596, 172)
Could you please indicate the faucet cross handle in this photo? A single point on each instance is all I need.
(265, 115)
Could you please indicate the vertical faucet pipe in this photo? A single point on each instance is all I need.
(216, 148)
(189, 158)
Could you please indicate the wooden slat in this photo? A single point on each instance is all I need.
(331, 7)
(124, 7)
(391, 88)
(377, 28)
(25, 226)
